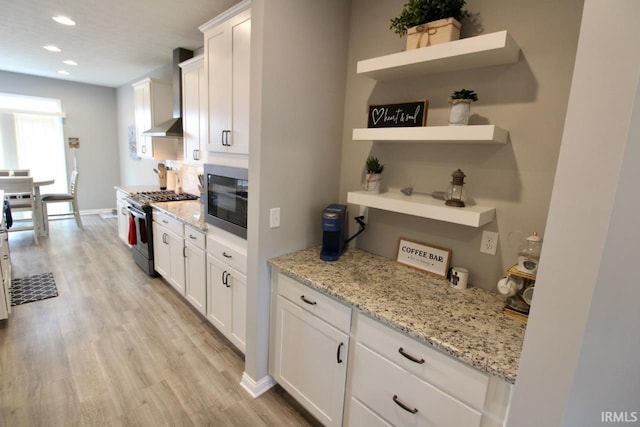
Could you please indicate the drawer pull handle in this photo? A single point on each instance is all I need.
(403, 405)
(164, 221)
(226, 255)
(302, 297)
(191, 236)
(338, 352)
(410, 357)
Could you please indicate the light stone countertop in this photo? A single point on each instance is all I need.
(188, 211)
(466, 324)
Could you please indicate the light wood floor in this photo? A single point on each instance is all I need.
(117, 348)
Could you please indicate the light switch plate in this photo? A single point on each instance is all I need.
(489, 242)
(274, 217)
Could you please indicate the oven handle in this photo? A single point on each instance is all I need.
(136, 212)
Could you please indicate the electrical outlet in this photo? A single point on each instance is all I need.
(274, 218)
(489, 242)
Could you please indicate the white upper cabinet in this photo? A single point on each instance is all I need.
(194, 106)
(152, 105)
(227, 45)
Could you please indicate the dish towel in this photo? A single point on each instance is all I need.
(132, 231)
(143, 231)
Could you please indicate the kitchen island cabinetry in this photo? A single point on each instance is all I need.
(194, 106)
(152, 105)
(309, 348)
(168, 247)
(227, 43)
(195, 264)
(227, 288)
(5, 265)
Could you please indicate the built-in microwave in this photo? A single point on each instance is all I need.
(226, 192)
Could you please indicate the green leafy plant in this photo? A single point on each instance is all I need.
(373, 165)
(469, 95)
(418, 12)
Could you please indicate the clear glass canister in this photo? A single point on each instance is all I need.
(529, 254)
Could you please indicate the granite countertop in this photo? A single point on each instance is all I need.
(134, 189)
(466, 324)
(188, 211)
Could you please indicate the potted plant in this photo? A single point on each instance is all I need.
(461, 106)
(429, 22)
(372, 177)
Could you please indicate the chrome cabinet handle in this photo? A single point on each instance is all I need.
(338, 352)
(196, 154)
(404, 405)
(410, 357)
(302, 297)
(144, 149)
(184, 252)
(225, 138)
(5, 257)
(226, 255)
(191, 236)
(164, 221)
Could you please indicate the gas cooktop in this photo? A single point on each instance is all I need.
(164, 196)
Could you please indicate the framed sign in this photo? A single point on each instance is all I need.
(407, 114)
(424, 257)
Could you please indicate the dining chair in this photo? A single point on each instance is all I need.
(18, 191)
(15, 172)
(70, 197)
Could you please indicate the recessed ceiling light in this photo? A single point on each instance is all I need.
(64, 20)
(52, 48)
(70, 62)
(66, 73)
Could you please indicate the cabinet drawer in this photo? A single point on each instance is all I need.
(401, 398)
(170, 223)
(452, 376)
(326, 308)
(361, 416)
(195, 237)
(234, 258)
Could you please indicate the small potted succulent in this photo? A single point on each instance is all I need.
(373, 175)
(429, 22)
(461, 106)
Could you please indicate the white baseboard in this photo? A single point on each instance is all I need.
(255, 389)
(95, 211)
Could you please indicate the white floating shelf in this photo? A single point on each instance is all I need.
(425, 207)
(478, 134)
(472, 52)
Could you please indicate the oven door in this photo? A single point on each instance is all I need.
(142, 224)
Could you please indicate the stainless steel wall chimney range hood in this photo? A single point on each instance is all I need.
(172, 128)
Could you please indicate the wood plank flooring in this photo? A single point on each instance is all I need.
(116, 347)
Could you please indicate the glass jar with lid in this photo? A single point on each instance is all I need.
(529, 254)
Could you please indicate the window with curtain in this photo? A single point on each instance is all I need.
(31, 137)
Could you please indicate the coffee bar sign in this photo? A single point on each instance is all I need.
(407, 114)
(424, 257)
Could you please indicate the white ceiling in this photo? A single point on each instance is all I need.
(114, 41)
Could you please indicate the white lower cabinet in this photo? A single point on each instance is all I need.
(168, 249)
(227, 290)
(5, 272)
(404, 382)
(123, 216)
(330, 361)
(310, 348)
(195, 263)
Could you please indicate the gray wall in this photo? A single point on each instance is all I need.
(91, 116)
(528, 98)
(298, 65)
(580, 355)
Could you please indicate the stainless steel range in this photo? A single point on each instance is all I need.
(140, 224)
